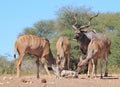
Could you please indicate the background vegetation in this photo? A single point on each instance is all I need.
(106, 23)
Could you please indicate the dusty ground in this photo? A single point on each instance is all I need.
(31, 81)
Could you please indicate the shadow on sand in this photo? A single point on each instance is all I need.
(111, 77)
(104, 78)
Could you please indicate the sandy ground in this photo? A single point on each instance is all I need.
(31, 81)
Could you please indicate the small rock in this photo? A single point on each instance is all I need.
(43, 81)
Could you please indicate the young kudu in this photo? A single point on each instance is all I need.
(84, 40)
(63, 47)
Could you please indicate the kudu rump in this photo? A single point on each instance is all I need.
(39, 47)
(93, 45)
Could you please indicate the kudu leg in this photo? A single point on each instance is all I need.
(18, 63)
(37, 64)
(44, 61)
(46, 68)
(68, 62)
(101, 68)
(93, 68)
(89, 68)
(96, 61)
(106, 67)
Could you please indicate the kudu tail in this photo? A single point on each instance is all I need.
(15, 50)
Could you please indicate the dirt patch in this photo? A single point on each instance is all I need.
(82, 81)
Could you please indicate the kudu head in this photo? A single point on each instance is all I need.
(59, 66)
(60, 61)
(79, 29)
(80, 65)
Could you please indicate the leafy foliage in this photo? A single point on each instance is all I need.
(6, 67)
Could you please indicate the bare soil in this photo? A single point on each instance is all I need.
(112, 80)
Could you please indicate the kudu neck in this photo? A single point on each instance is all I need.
(84, 41)
(51, 59)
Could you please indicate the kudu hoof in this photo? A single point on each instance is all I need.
(88, 76)
(101, 77)
(106, 75)
(38, 77)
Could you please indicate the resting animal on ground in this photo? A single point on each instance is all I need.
(69, 74)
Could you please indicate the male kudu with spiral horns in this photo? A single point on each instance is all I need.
(97, 42)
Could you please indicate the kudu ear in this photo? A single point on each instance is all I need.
(84, 31)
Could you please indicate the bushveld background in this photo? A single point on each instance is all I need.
(106, 23)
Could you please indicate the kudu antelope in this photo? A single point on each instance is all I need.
(96, 48)
(63, 52)
(84, 40)
(39, 47)
(63, 47)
